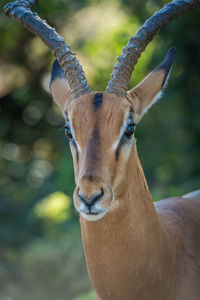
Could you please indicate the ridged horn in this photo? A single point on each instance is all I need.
(21, 11)
(126, 62)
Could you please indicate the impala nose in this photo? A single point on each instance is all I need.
(92, 198)
(89, 202)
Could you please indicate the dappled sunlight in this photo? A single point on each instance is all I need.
(39, 170)
(42, 149)
(94, 20)
(53, 115)
(54, 207)
(11, 76)
(13, 152)
(31, 115)
(105, 28)
(103, 41)
(35, 52)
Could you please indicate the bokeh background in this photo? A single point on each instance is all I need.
(41, 255)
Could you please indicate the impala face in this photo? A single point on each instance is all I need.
(100, 129)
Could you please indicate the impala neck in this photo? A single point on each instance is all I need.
(123, 247)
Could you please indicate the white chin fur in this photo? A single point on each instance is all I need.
(94, 217)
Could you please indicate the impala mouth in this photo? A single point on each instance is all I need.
(92, 213)
(93, 216)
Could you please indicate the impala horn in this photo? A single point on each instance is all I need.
(21, 12)
(126, 62)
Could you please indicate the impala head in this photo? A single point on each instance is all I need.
(100, 129)
(100, 126)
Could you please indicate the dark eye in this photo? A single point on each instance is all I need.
(68, 132)
(130, 129)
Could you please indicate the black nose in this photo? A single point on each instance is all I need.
(90, 201)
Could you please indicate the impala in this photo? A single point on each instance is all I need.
(133, 248)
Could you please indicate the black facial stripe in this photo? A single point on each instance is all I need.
(124, 139)
(119, 147)
(98, 100)
(94, 145)
(75, 146)
(93, 152)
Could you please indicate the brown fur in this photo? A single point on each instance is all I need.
(137, 250)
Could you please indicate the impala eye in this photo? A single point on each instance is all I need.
(130, 129)
(68, 132)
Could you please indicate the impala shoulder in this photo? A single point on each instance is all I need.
(181, 211)
(170, 209)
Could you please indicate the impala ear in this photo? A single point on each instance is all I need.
(59, 87)
(148, 91)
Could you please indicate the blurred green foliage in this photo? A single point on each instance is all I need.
(41, 254)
